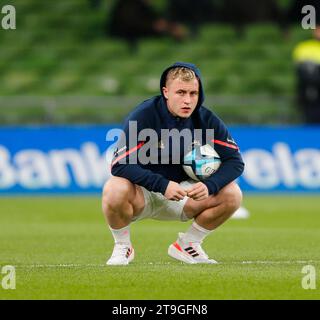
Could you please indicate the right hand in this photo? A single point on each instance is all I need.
(175, 192)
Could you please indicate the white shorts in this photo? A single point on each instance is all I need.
(157, 207)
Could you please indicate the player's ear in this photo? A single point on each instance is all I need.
(165, 92)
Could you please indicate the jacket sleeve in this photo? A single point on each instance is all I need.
(232, 164)
(125, 162)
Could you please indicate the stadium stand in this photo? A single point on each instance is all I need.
(60, 48)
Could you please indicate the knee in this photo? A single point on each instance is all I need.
(116, 193)
(232, 197)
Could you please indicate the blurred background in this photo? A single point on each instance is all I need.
(92, 61)
(72, 70)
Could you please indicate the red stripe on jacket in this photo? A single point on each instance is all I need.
(225, 144)
(127, 153)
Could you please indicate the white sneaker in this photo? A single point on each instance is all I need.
(189, 252)
(122, 254)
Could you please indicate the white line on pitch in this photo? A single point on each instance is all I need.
(266, 262)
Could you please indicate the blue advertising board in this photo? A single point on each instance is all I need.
(280, 159)
(76, 159)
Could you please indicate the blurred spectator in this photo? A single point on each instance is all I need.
(95, 3)
(241, 13)
(307, 58)
(137, 19)
(192, 13)
(294, 12)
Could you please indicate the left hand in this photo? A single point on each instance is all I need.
(198, 191)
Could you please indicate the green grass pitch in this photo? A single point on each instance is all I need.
(59, 247)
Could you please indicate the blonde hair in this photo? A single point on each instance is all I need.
(184, 74)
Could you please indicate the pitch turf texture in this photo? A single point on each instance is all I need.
(59, 247)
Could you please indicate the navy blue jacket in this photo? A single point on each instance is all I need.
(154, 113)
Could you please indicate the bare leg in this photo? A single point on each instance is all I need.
(208, 214)
(121, 201)
(215, 210)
